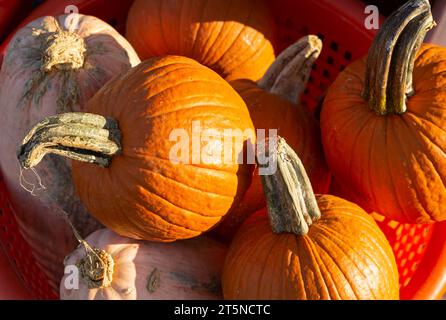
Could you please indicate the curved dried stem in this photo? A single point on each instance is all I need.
(80, 136)
(388, 79)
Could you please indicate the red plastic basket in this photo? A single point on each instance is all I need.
(420, 250)
(8, 11)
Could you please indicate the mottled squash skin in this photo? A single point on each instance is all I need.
(33, 87)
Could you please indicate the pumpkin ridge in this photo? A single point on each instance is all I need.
(134, 222)
(356, 144)
(164, 70)
(434, 90)
(188, 210)
(184, 211)
(301, 271)
(392, 133)
(162, 33)
(345, 274)
(264, 267)
(194, 41)
(390, 172)
(424, 134)
(335, 235)
(327, 273)
(251, 56)
(428, 157)
(236, 38)
(284, 265)
(261, 239)
(371, 157)
(339, 269)
(426, 51)
(421, 200)
(201, 105)
(418, 117)
(320, 281)
(214, 64)
(186, 185)
(182, 81)
(377, 235)
(265, 257)
(180, 25)
(195, 165)
(210, 47)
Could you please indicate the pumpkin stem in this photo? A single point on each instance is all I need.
(289, 73)
(80, 136)
(391, 58)
(292, 205)
(62, 50)
(97, 267)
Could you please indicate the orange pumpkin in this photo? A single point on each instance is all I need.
(314, 247)
(384, 122)
(231, 38)
(163, 178)
(273, 103)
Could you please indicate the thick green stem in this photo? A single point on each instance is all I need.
(292, 206)
(289, 74)
(80, 136)
(388, 78)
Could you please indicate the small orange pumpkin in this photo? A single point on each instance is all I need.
(231, 38)
(273, 103)
(384, 122)
(134, 127)
(312, 247)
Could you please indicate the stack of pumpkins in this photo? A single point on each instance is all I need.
(106, 142)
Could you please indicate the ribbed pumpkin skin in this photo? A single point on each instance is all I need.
(344, 256)
(143, 194)
(231, 37)
(108, 54)
(187, 270)
(393, 164)
(300, 129)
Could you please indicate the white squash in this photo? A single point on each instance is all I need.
(53, 65)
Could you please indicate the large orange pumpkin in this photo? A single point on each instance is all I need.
(384, 122)
(231, 37)
(144, 126)
(273, 103)
(314, 247)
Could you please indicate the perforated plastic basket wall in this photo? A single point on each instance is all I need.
(420, 250)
